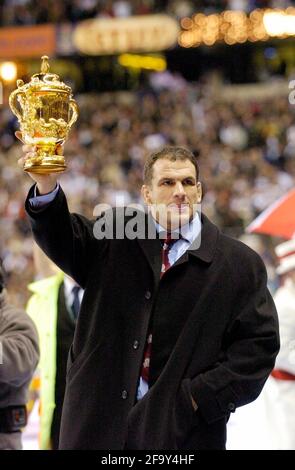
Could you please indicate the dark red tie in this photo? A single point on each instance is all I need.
(167, 243)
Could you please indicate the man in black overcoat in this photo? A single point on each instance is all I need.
(176, 328)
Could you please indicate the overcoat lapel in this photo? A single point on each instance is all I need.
(202, 248)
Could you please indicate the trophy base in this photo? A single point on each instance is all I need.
(45, 165)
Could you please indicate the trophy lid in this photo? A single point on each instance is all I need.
(44, 81)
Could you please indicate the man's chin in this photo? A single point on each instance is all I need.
(171, 219)
(176, 221)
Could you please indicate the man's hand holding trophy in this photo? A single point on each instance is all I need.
(46, 111)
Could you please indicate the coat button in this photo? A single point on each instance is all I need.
(135, 344)
(231, 407)
(148, 294)
(124, 394)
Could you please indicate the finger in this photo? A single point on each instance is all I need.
(59, 149)
(19, 135)
(21, 162)
(29, 155)
(29, 148)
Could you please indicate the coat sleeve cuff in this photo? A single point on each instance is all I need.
(46, 208)
(211, 404)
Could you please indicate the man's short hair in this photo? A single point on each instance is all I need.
(170, 153)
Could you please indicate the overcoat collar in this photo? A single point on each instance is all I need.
(208, 241)
(203, 248)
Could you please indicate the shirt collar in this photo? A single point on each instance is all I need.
(188, 232)
(68, 286)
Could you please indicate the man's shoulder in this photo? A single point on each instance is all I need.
(240, 256)
(237, 246)
(229, 247)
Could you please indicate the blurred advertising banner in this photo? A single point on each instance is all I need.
(146, 33)
(100, 36)
(27, 41)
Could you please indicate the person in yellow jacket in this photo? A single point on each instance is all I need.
(53, 306)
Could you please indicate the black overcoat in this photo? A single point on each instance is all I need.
(215, 335)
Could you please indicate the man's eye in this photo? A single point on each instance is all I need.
(189, 182)
(167, 183)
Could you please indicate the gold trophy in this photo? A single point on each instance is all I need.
(46, 112)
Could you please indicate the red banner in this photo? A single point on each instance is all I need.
(27, 42)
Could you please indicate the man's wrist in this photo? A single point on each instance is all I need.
(44, 190)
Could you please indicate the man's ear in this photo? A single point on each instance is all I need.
(199, 192)
(145, 192)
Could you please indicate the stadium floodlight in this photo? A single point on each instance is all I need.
(8, 71)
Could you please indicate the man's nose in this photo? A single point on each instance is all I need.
(179, 189)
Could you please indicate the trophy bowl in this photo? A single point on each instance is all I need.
(46, 111)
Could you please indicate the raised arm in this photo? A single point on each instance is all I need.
(67, 239)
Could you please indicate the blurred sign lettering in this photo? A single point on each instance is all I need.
(118, 35)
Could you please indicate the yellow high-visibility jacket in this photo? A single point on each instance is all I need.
(42, 308)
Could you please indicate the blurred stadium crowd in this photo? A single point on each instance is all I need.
(246, 152)
(28, 12)
(245, 143)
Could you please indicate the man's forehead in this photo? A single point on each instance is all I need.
(165, 167)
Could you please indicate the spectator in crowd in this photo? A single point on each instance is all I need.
(284, 372)
(54, 307)
(19, 355)
(273, 411)
(26, 12)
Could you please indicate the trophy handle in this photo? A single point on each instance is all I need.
(12, 103)
(75, 112)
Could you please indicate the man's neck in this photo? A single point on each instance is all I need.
(188, 231)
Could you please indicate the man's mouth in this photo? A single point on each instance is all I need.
(180, 208)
